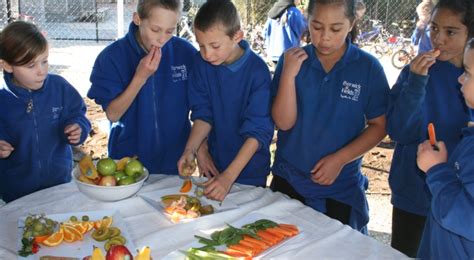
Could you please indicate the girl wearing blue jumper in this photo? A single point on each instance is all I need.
(284, 28)
(46, 115)
(141, 83)
(329, 106)
(229, 95)
(449, 230)
(426, 91)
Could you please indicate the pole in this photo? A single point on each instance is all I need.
(96, 22)
(119, 19)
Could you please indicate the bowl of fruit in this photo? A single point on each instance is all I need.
(108, 179)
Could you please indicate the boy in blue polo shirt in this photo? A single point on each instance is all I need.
(229, 95)
(141, 82)
(449, 229)
(329, 106)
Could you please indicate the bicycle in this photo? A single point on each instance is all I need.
(404, 56)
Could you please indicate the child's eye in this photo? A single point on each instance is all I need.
(45, 62)
(30, 66)
(334, 30)
(156, 31)
(451, 33)
(433, 28)
(316, 28)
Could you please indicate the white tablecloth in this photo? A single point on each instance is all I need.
(323, 237)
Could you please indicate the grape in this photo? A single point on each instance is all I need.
(38, 226)
(85, 218)
(27, 234)
(29, 221)
(73, 218)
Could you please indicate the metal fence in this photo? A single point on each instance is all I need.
(71, 25)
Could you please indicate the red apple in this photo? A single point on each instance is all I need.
(118, 252)
(108, 180)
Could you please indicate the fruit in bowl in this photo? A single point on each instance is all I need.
(113, 185)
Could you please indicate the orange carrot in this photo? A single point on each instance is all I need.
(432, 134)
(280, 231)
(269, 236)
(289, 226)
(243, 249)
(292, 231)
(275, 234)
(262, 243)
(237, 254)
(257, 249)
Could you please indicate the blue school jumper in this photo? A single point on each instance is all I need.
(33, 122)
(282, 35)
(449, 230)
(415, 101)
(332, 111)
(235, 100)
(421, 38)
(156, 126)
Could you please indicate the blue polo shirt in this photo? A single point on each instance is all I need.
(332, 111)
(414, 102)
(449, 230)
(156, 126)
(235, 100)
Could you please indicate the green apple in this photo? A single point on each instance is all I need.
(127, 180)
(134, 168)
(119, 175)
(106, 166)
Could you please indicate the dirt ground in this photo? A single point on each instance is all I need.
(375, 166)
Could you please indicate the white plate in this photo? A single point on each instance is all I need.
(82, 248)
(250, 218)
(154, 199)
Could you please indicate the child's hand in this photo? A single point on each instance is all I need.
(428, 157)
(149, 64)
(186, 164)
(205, 163)
(218, 187)
(294, 57)
(73, 133)
(421, 63)
(326, 170)
(5, 149)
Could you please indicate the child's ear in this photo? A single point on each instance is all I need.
(6, 66)
(238, 36)
(136, 19)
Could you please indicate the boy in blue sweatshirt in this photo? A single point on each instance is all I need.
(426, 91)
(229, 94)
(449, 230)
(141, 83)
(44, 115)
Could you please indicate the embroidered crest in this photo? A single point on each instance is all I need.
(56, 112)
(350, 91)
(179, 73)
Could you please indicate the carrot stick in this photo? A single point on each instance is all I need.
(269, 236)
(262, 243)
(238, 254)
(243, 249)
(280, 231)
(292, 231)
(257, 249)
(432, 136)
(275, 234)
(289, 226)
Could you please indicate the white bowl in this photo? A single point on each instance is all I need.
(108, 193)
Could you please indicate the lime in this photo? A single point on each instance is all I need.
(106, 166)
(119, 175)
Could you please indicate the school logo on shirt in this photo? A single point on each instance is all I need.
(56, 112)
(350, 91)
(179, 73)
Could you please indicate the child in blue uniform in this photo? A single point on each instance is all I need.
(141, 83)
(229, 95)
(329, 106)
(449, 230)
(43, 116)
(284, 28)
(426, 91)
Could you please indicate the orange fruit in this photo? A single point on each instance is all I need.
(55, 239)
(75, 233)
(40, 239)
(187, 185)
(106, 222)
(69, 237)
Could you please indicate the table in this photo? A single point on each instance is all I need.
(323, 237)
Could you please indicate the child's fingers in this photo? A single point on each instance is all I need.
(71, 128)
(441, 145)
(5, 146)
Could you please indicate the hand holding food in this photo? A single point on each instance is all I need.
(421, 63)
(428, 157)
(187, 164)
(149, 64)
(73, 133)
(5, 149)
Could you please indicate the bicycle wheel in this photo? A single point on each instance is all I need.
(377, 51)
(400, 59)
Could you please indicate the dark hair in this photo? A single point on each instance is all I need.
(465, 8)
(144, 6)
(21, 42)
(218, 11)
(350, 11)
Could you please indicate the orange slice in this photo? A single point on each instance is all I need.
(75, 233)
(69, 237)
(187, 185)
(40, 239)
(55, 239)
(106, 222)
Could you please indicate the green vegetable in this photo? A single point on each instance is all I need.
(195, 253)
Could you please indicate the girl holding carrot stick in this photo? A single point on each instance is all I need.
(449, 230)
(315, 89)
(426, 91)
